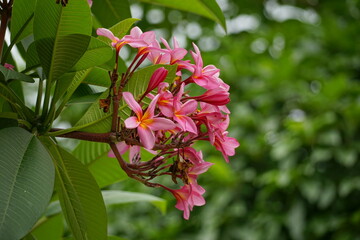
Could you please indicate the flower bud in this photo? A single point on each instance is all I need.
(217, 97)
(158, 77)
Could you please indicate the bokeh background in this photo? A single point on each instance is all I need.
(294, 71)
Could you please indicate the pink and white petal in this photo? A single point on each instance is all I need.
(147, 137)
(131, 122)
(129, 99)
(188, 107)
(161, 124)
(106, 33)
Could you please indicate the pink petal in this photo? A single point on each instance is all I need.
(162, 124)
(188, 107)
(131, 122)
(135, 32)
(186, 123)
(147, 137)
(129, 99)
(134, 150)
(106, 33)
(122, 148)
(149, 113)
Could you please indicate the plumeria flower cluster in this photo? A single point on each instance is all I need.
(174, 119)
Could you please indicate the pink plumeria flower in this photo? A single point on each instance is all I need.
(177, 53)
(135, 39)
(158, 55)
(9, 66)
(226, 145)
(182, 110)
(187, 197)
(206, 77)
(145, 123)
(90, 2)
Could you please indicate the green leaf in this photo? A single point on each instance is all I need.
(99, 77)
(61, 35)
(109, 12)
(106, 171)
(95, 120)
(87, 151)
(112, 197)
(206, 8)
(51, 228)
(97, 53)
(27, 180)
(79, 196)
(76, 81)
(8, 74)
(17, 104)
(32, 58)
(21, 19)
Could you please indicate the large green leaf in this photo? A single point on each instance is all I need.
(96, 54)
(27, 180)
(87, 151)
(79, 196)
(112, 197)
(110, 12)
(22, 19)
(207, 8)
(61, 34)
(52, 229)
(106, 171)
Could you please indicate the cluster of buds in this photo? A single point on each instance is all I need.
(174, 120)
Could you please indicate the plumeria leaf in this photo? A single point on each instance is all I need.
(62, 35)
(112, 197)
(79, 195)
(32, 58)
(22, 19)
(97, 53)
(104, 169)
(52, 228)
(8, 74)
(107, 171)
(110, 12)
(206, 8)
(88, 152)
(27, 180)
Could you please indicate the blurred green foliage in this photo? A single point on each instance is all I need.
(294, 71)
